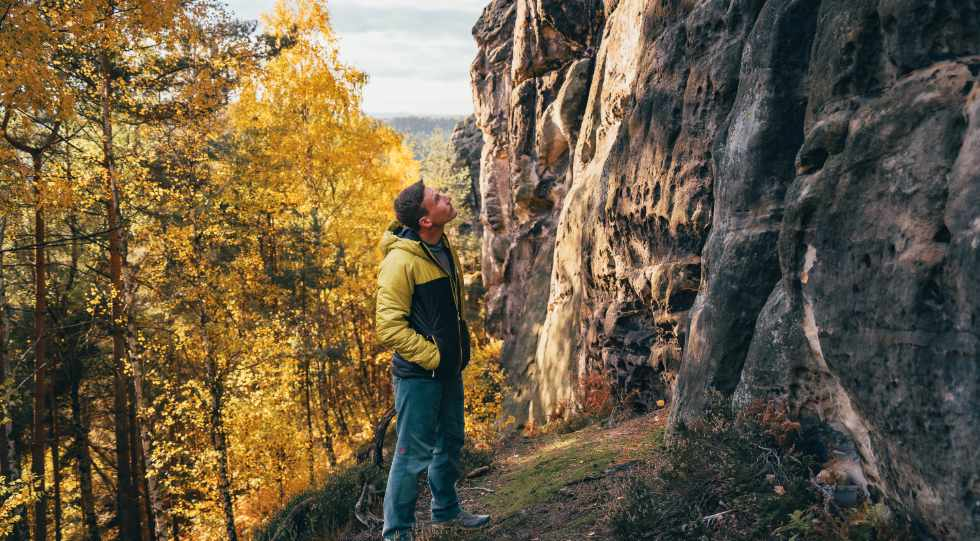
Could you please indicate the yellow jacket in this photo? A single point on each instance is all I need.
(418, 312)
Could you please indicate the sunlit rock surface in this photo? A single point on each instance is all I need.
(771, 198)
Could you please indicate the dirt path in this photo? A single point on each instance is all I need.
(555, 487)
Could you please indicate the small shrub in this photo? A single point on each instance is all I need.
(471, 458)
(16, 496)
(728, 477)
(320, 513)
(594, 394)
(571, 424)
(593, 401)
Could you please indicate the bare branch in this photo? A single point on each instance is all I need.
(6, 12)
(21, 145)
(64, 241)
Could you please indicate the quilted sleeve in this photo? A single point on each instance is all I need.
(394, 302)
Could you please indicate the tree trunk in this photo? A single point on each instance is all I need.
(281, 478)
(40, 307)
(39, 435)
(325, 410)
(80, 422)
(338, 410)
(304, 329)
(309, 421)
(139, 467)
(154, 509)
(9, 457)
(220, 443)
(55, 463)
(5, 458)
(127, 497)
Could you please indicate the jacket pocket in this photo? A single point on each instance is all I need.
(432, 338)
(405, 368)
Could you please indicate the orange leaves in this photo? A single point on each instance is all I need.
(774, 417)
(484, 381)
(594, 394)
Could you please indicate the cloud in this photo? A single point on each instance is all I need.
(472, 6)
(413, 96)
(402, 54)
(251, 9)
(416, 53)
(423, 22)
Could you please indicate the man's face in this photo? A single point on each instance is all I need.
(439, 208)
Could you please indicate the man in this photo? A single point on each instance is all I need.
(419, 317)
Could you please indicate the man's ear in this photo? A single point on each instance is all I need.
(425, 222)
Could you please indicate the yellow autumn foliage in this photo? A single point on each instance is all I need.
(252, 192)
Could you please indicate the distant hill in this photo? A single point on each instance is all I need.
(422, 127)
(417, 130)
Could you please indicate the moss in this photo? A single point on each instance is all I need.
(538, 478)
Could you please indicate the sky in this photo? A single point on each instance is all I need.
(417, 53)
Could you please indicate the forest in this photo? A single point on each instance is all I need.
(189, 213)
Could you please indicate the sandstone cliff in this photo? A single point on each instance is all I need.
(771, 198)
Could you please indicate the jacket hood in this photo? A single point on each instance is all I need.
(399, 237)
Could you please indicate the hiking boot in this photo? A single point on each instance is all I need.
(400, 535)
(465, 520)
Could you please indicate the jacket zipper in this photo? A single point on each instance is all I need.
(456, 299)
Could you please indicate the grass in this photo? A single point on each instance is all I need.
(557, 485)
(746, 472)
(538, 477)
(728, 477)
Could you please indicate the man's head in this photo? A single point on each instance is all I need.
(422, 208)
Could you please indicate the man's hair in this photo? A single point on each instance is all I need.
(408, 205)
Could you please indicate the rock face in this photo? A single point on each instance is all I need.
(467, 145)
(770, 198)
(530, 82)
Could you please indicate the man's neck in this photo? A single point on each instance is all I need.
(432, 235)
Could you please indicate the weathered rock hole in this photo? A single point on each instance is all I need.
(943, 235)
(931, 296)
(967, 88)
(682, 300)
(814, 160)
